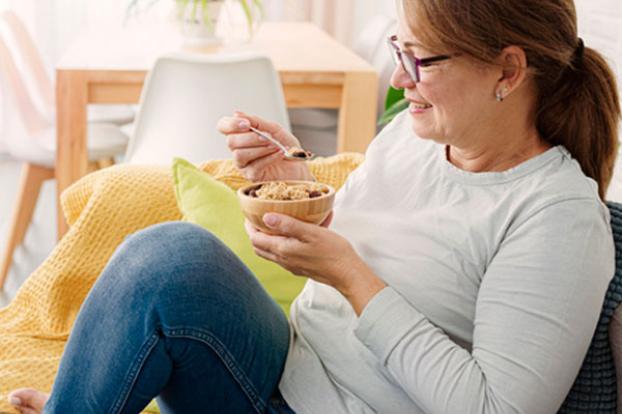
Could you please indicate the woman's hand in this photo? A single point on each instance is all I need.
(257, 158)
(319, 253)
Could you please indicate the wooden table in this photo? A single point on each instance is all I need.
(316, 71)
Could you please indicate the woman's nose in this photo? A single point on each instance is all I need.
(400, 79)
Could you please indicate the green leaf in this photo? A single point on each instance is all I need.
(392, 111)
(248, 14)
(134, 7)
(393, 95)
(207, 21)
(193, 14)
(181, 9)
(259, 6)
(133, 4)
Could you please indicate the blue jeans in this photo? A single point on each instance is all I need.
(175, 314)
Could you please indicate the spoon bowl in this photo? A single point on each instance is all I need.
(291, 154)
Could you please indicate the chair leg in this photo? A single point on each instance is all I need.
(92, 166)
(105, 162)
(33, 177)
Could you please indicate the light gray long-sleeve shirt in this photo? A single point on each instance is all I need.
(495, 284)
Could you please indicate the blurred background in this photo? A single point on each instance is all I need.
(55, 24)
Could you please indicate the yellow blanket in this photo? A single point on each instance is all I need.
(102, 208)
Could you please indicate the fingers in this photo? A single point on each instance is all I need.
(262, 163)
(289, 226)
(247, 140)
(327, 220)
(240, 122)
(260, 123)
(231, 125)
(266, 255)
(266, 243)
(246, 156)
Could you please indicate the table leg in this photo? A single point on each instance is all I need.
(357, 115)
(71, 150)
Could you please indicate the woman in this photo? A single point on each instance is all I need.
(464, 269)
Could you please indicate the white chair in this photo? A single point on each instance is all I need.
(185, 95)
(317, 128)
(29, 134)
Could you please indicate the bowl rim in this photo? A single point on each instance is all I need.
(331, 192)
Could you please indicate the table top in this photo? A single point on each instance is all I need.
(292, 46)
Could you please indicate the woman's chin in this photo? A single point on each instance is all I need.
(422, 131)
(428, 134)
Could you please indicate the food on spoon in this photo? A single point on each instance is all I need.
(299, 153)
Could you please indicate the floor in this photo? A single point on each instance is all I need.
(40, 238)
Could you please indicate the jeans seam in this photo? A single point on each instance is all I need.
(226, 357)
(132, 375)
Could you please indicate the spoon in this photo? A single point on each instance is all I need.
(292, 154)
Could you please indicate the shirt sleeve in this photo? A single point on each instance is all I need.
(536, 312)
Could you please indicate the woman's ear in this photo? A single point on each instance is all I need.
(513, 62)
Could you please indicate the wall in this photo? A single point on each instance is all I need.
(366, 9)
(600, 25)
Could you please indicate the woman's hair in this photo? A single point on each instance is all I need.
(577, 103)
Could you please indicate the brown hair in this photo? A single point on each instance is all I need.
(577, 104)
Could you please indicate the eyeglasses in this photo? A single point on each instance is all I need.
(409, 62)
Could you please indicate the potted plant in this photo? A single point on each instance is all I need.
(394, 104)
(198, 18)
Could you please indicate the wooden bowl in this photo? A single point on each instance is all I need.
(312, 210)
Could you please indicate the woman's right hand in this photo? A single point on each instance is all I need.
(256, 157)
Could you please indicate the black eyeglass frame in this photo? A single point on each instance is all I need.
(410, 63)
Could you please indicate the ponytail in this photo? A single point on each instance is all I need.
(581, 111)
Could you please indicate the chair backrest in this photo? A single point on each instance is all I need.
(615, 340)
(595, 389)
(371, 45)
(28, 58)
(185, 95)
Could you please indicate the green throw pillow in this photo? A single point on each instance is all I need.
(211, 204)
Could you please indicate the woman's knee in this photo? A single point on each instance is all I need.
(174, 240)
(159, 250)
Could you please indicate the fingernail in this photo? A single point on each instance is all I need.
(244, 123)
(271, 219)
(15, 401)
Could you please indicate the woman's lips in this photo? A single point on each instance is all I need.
(418, 107)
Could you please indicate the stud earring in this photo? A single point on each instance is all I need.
(500, 95)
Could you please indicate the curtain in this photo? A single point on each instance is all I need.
(334, 16)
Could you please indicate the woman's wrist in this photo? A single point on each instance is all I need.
(363, 285)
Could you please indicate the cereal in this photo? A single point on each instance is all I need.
(299, 153)
(279, 190)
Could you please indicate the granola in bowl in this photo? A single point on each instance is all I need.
(280, 190)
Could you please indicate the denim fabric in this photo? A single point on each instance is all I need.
(175, 314)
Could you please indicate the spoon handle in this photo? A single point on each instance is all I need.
(269, 138)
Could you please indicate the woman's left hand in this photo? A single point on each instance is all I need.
(315, 251)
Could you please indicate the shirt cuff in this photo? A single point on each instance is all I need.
(386, 319)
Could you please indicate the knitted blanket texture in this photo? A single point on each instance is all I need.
(102, 209)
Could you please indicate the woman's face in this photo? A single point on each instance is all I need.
(454, 99)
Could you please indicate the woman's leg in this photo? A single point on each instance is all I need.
(175, 314)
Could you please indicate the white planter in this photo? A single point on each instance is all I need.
(199, 28)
